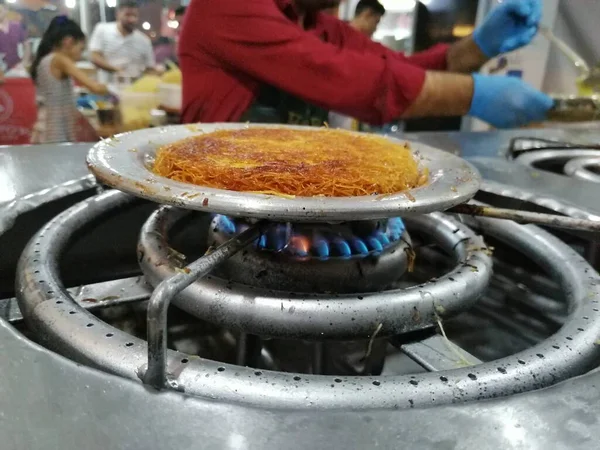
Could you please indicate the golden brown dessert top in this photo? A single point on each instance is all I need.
(290, 162)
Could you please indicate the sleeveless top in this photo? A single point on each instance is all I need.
(56, 116)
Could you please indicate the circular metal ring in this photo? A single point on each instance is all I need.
(534, 158)
(327, 316)
(61, 324)
(580, 168)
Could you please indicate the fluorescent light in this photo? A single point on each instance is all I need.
(70, 3)
(111, 3)
(11, 1)
(146, 26)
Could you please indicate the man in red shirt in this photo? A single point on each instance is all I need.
(285, 61)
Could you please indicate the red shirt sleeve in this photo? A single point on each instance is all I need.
(255, 37)
(344, 35)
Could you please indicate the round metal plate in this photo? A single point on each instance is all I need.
(122, 162)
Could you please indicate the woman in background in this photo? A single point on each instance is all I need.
(53, 71)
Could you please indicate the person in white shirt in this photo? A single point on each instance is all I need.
(119, 47)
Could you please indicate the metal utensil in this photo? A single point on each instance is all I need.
(548, 220)
(589, 78)
(566, 50)
(575, 109)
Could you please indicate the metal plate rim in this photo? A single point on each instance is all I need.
(120, 163)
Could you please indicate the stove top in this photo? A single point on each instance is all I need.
(352, 335)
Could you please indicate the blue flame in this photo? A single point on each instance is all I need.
(321, 247)
(342, 247)
(359, 246)
(323, 244)
(225, 224)
(374, 244)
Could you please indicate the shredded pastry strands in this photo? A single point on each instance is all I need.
(290, 163)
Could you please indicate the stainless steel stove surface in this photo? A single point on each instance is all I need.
(433, 331)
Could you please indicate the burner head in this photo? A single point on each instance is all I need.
(341, 258)
(322, 241)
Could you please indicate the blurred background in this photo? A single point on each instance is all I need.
(407, 26)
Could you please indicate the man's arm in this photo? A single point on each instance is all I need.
(257, 39)
(149, 59)
(96, 46)
(443, 94)
(343, 35)
(463, 56)
(100, 61)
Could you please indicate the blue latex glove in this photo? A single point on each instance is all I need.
(507, 102)
(509, 26)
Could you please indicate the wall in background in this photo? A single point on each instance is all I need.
(578, 23)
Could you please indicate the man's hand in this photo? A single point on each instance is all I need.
(509, 26)
(503, 102)
(507, 102)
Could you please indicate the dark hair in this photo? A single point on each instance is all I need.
(373, 5)
(163, 40)
(61, 27)
(180, 11)
(123, 4)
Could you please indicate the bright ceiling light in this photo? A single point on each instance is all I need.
(398, 6)
(11, 1)
(70, 3)
(111, 3)
(146, 26)
(173, 24)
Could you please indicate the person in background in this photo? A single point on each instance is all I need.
(164, 50)
(13, 38)
(179, 17)
(367, 15)
(53, 70)
(119, 47)
(180, 14)
(285, 61)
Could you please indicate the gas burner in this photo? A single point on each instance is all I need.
(318, 240)
(576, 161)
(348, 302)
(260, 318)
(316, 258)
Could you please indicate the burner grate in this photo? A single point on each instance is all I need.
(312, 316)
(69, 329)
